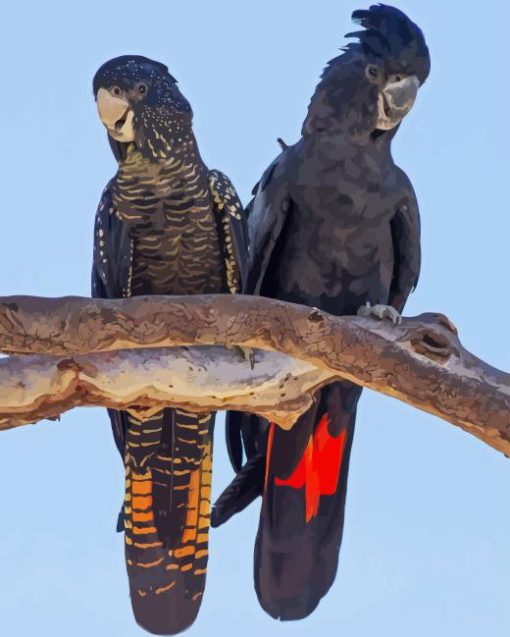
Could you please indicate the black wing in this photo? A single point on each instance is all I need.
(111, 275)
(113, 251)
(232, 230)
(405, 231)
(267, 215)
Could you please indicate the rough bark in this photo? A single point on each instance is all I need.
(420, 362)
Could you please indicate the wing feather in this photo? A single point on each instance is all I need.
(113, 252)
(405, 231)
(231, 222)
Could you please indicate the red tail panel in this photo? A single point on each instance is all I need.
(329, 453)
(318, 470)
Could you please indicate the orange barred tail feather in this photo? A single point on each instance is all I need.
(167, 509)
(302, 515)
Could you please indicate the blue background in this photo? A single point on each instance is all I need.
(426, 547)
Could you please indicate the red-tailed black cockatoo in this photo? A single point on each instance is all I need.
(334, 224)
(166, 224)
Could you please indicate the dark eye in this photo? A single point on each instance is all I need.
(372, 72)
(142, 89)
(116, 90)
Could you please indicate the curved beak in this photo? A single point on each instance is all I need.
(116, 114)
(396, 100)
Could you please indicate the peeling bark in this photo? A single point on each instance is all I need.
(420, 362)
(144, 381)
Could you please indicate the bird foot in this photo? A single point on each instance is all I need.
(381, 312)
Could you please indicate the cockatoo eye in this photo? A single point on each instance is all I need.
(372, 72)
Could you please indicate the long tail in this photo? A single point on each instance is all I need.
(302, 515)
(168, 462)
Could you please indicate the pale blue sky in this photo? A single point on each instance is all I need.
(426, 549)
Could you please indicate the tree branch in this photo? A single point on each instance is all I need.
(144, 381)
(421, 362)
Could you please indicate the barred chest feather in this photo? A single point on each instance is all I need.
(169, 211)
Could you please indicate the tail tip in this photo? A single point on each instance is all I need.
(291, 609)
(162, 614)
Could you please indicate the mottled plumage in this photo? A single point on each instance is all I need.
(334, 224)
(165, 225)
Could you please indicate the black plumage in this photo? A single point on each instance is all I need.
(165, 225)
(334, 224)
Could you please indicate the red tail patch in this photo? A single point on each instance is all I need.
(318, 470)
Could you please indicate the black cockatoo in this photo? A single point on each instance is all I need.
(165, 225)
(334, 224)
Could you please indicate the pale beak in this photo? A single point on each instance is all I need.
(116, 115)
(395, 101)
